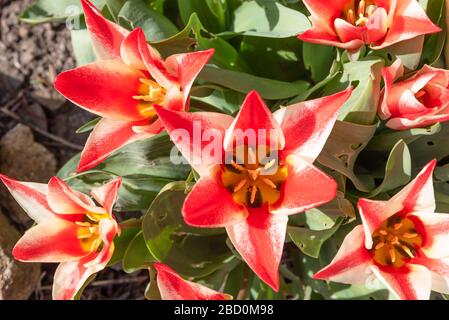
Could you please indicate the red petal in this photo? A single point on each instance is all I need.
(107, 137)
(421, 122)
(260, 240)
(54, 240)
(129, 50)
(254, 116)
(195, 134)
(105, 88)
(318, 36)
(64, 200)
(106, 36)
(389, 74)
(32, 197)
(352, 262)
(409, 21)
(307, 125)
(173, 287)
(210, 204)
(187, 66)
(411, 283)
(106, 195)
(324, 13)
(306, 187)
(436, 226)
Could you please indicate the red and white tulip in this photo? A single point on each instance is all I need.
(71, 229)
(123, 85)
(351, 24)
(403, 243)
(243, 189)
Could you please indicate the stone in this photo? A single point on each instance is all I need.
(23, 159)
(17, 279)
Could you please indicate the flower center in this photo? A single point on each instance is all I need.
(150, 93)
(358, 12)
(253, 179)
(89, 232)
(421, 96)
(395, 242)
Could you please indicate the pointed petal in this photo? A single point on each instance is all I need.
(307, 125)
(173, 287)
(418, 195)
(436, 229)
(346, 31)
(352, 263)
(306, 187)
(129, 50)
(64, 200)
(107, 137)
(373, 213)
(324, 13)
(106, 88)
(198, 136)
(412, 283)
(54, 240)
(32, 197)
(187, 66)
(421, 122)
(318, 36)
(210, 204)
(409, 21)
(389, 74)
(254, 116)
(439, 269)
(106, 36)
(106, 195)
(260, 241)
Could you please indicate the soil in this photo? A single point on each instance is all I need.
(30, 58)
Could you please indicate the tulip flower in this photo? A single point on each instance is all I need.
(71, 229)
(402, 243)
(124, 84)
(243, 186)
(173, 287)
(350, 24)
(419, 101)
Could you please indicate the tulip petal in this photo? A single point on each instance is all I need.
(389, 74)
(192, 133)
(210, 204)
(106, 36)
(64, 200)
(307, 125)
(260, 240)
(436, 226)
(106, 195)
(318, 36)
(107, 137)
(439, 269)
(129, 50)
(421, 122)
(173, 287)
(253, 119)
(32, 197)
(54, 240)
(348, 32)
(324, 13)
(306, 187)
(106, 88)
(352, 263)
(414, 283)
(187, 66)
(377, 26)
(409, 21)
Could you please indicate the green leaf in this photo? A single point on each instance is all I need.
(244, 83)
(267, 18)
(190, 251)
(397, 171)
(137, 13)
(434, 43)
(212, 13)
(310, 241)
(318, 59)
(342, 149)
(82, 46)
(122, 241)
(145, 168)
(114, 7)
(137, 256)
(152, 290)
(88, 126)
(43, 11)
(221, 100)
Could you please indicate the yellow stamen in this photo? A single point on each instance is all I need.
(254, 174)
(351, 16)
(397, 226)
(420, 94)
(269, 183)
(84, 236)
(253, 194)
(240, 185)
(408, 251)
(409, 235)
(379, 245)
(392, 254)
(383, 232)
(237, 166)
(83, 224)
(361, 9)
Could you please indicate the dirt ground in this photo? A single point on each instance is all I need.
(30, 58)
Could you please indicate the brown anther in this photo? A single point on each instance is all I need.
(420, 94)
(408, 251)
(351, 16)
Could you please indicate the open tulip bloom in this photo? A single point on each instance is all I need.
(403, 243)
(173, 287)
(72, 229)
(351, 24)
(250, 186)
(416, 102)
(123, 85)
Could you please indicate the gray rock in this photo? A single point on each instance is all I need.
(17, 279)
